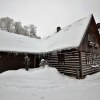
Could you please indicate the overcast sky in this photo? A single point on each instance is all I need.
(48, 14)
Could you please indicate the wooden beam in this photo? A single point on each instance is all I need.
(34, 61)
(80, 62)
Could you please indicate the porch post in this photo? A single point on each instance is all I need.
(34, 61)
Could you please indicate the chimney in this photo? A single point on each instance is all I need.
(58, 29)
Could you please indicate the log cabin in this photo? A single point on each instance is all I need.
(73, 50)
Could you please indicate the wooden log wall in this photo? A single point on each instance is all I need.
(88, 60)
(70, 64)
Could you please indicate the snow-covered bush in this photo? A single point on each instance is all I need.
(43, 63)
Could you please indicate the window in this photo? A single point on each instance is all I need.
(89, 59)
(89, 37)
(92, 59)
(61, 58)
(92, 41)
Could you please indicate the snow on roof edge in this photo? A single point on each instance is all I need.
(25, 52)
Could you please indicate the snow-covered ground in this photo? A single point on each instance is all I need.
(47, 84)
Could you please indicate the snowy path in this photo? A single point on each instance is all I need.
(47, 84)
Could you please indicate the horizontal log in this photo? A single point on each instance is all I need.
(72, 72)
(68, 72)
(72, 65)
(73, 59)
(87, 69)
(52, 58)
(90, 68)
(66, 58)
(83, 53)
(72, 52)
(83, 57)
(84, 65)
(53, 61)
(71, 55)
(90, 72)
(84, 61)
(65, 64)
(76, 63)
(67, 67)
(71, 62)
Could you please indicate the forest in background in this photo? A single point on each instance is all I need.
(9, 25)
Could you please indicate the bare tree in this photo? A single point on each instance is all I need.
(7, 24)
(18, 27)
(26, 30)
(32, 30)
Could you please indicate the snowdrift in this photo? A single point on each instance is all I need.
(47, 84)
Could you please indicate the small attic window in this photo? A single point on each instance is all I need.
(89, 37)
(90, 42)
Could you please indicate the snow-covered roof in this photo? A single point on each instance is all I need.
(68, 37)
(18, 43)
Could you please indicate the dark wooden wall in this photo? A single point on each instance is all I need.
(91, 31)
(66, 62)
(87, 61)
(13, 61)
(90, 55)
(74, 63)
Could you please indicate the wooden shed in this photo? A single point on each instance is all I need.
(75, 49)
